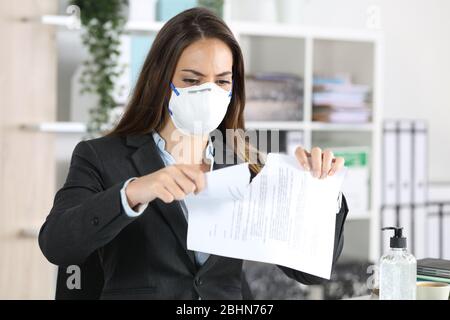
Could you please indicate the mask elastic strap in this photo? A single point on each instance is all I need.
(174, 89)
(231, 91)
(176, 92)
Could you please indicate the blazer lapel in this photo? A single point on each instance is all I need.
(147, 159)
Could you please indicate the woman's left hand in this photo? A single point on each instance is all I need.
(321, 163)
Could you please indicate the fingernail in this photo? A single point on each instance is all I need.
(316, 174)
(307, 167)
(331, 173)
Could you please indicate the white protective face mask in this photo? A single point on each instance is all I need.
(198, 110)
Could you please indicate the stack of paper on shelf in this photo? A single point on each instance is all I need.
(273, 97)
(336, 99)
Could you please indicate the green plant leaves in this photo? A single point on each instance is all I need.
(103, 22)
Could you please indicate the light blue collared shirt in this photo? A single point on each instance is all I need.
(168, 160)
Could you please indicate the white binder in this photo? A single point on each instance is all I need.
(438, 233)
(446, 237)
(432, 228)
(405, 182)
(405, 157)
(420, 177)
(389, 187)
(405, 146)
(420, 188)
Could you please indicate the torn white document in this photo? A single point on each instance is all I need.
(284, 216)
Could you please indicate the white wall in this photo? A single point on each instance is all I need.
(417, 59)
(417, 70)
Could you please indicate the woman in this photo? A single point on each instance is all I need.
(120, 215)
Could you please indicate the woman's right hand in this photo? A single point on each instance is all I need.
(168, 184)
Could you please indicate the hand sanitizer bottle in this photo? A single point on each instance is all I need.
(398, 270)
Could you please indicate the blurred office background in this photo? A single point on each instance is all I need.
(367, 78)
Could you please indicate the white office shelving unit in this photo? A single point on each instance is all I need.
(304, 51)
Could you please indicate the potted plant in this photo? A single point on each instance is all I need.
(103, 23)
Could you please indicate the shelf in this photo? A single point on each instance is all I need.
(79, 127)
(275, 125)
(70, 22)
(323, 126)
(301, 31)
(143, 26)
(314, 126)
(247, 28)
(56, 127)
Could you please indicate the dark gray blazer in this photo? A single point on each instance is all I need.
(134, 258)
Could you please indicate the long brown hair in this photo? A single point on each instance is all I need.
(147, 109)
